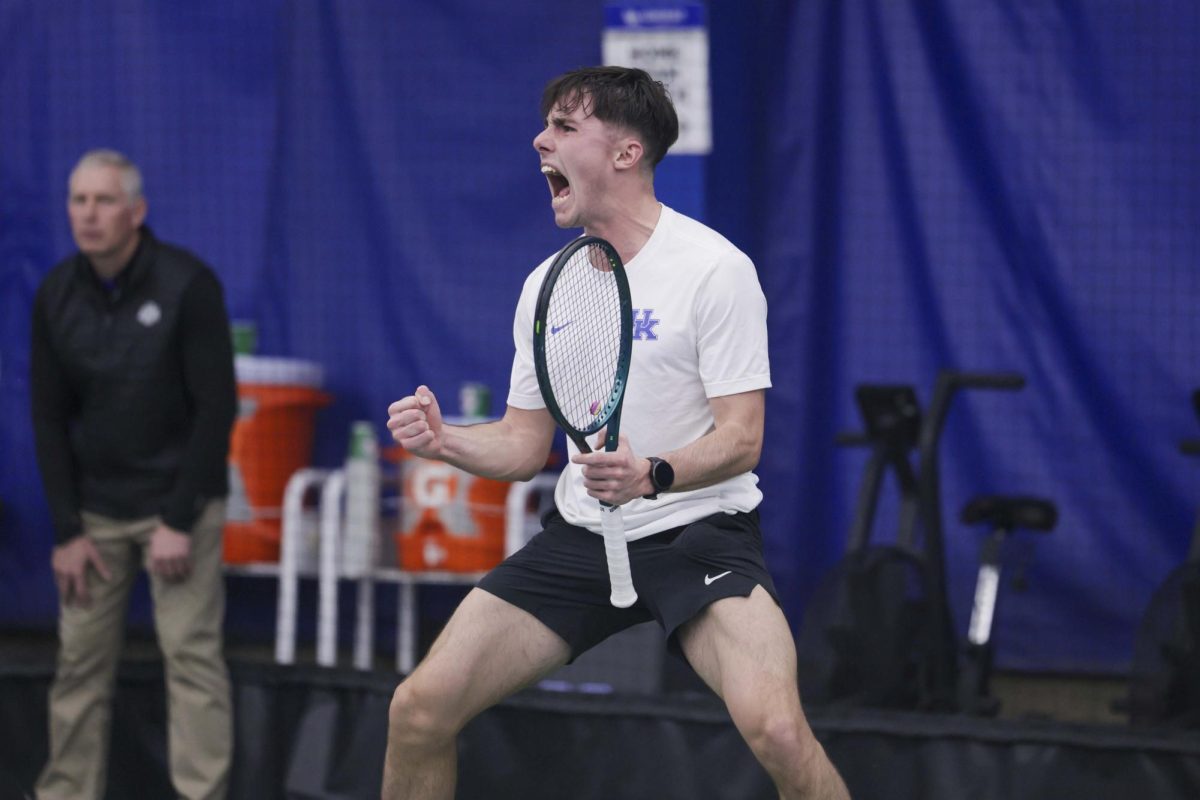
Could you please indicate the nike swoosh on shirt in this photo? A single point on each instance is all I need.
(556, 328)
(709, 581)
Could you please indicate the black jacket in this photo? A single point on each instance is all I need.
(133, 389)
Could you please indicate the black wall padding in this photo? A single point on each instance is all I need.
(310, 733)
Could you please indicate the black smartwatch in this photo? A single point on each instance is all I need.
(662, 476)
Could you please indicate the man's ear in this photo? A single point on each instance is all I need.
(139, 212)
(629, 153)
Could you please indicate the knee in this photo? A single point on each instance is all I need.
(786, 746)
(190, 648)
(86, 652)
(417, 718)
(780, 738)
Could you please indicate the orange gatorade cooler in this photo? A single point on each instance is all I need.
(449, 519)
(278, 399)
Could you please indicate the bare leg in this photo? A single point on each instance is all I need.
(743, 649)
(488, 650)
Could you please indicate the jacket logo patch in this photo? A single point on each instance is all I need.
(149, 313)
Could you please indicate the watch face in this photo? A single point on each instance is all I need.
(662, 475)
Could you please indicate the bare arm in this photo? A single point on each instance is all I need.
(732, 447)
(513, 448)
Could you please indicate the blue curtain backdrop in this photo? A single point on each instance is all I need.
(976, 184)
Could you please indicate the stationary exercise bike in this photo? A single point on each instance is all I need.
(878, 631)
(1002, 515)
(1164, 687)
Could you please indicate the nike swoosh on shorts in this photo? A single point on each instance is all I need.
(709, 581)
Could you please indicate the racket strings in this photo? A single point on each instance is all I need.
(584, 342)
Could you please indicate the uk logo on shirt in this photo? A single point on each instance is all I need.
(644, 323)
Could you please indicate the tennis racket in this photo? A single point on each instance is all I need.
(582, 341)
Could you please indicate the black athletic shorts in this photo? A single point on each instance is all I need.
(561, 577)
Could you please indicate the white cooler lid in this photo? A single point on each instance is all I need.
(278, 371)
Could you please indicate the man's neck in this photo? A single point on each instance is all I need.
(630, 226)
(109, 266)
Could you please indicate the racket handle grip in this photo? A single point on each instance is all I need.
(616, 551)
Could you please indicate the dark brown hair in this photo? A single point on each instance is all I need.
(621, 96)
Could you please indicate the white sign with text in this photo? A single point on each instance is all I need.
(671, 43)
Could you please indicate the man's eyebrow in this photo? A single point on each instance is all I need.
(103, 194)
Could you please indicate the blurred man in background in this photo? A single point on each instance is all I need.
(133, 402)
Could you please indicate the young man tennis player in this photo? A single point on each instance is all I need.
(692, 430)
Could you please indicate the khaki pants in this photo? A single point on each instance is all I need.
(188, 618)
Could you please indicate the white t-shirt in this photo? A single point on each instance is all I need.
(700, 331)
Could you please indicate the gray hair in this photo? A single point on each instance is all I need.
(131, 176)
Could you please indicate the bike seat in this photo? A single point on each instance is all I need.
(1031, 513)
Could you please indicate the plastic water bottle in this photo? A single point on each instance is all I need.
(360, 538)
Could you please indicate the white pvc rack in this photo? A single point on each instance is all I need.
(520, 522)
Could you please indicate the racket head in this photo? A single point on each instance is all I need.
(583, 339)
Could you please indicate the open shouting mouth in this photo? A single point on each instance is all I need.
(560, 187)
